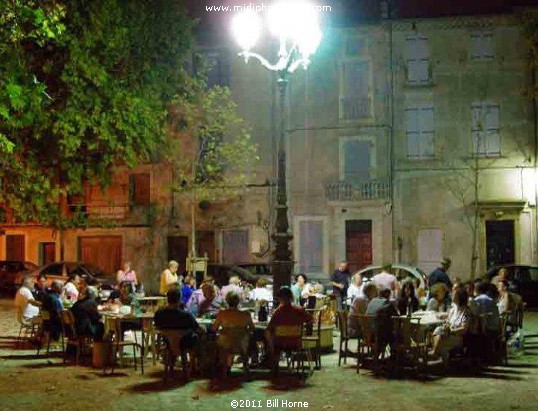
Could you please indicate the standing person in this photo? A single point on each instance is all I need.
(27, 305)
(127, 274)
(439, 275)
(340, 282)
(386, 280)
(169, 277)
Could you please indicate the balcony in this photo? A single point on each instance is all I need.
(349, 191)
(355, 108)
(102, 210)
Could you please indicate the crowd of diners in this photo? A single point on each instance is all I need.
(461, 304)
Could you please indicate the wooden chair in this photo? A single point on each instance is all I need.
(45, 331)
(119, 344)
(171, 351)
(295, 352)
(70, 336)
(502, 343)
(343, 351)
(368, 347)
(312, 335)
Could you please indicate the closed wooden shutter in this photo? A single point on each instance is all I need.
(15, 247)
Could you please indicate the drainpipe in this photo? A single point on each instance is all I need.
(391, 137)
(532, 62)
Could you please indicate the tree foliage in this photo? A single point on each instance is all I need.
(217, 154)
(84, 86)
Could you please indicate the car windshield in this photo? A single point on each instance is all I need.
(53, 269)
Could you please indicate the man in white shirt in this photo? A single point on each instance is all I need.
(355, 288)
(27, 306)
(261, 292)
(386, 280)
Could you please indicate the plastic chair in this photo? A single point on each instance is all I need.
(295, 351)
(231, 341)
(171, 351)
(28, 328)
(120, 344)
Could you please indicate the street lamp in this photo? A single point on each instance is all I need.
(296, 28)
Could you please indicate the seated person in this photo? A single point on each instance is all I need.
(437, 301)
(53, 304)
(355, 288)
(508, 304)
(197, 296)
(407, 301)
(231, 325)
(450, 335)
(286, 314)
(383, 310)
(87, 317)
(420, 292)
(70, 291)
(233, 285)
(188, 288)
(487, 309)
(211, 302)
(261, 292)
(301, 289)
(358, 307)
(27, 305)
(40, 288)
(174, 317)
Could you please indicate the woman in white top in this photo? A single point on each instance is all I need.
(261, 292)
(450, 335)
(355, 288)
(301, 289)
(70, 291)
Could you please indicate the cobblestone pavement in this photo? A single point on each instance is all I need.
(29, 382)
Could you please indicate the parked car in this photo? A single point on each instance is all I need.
(401, 271)
(222, 273)
(61, 270)
(524, 281)
(9, 270)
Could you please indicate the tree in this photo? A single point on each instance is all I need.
(217, 153)
(84, 87)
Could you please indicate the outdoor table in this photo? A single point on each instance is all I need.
(152, 303)
(112, 322)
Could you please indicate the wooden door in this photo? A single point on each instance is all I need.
(358, 244)
(15, 247)
(205, 243)
(235, 246)
(500, 242)
(47, 253)
(178, 249)
(102, 251)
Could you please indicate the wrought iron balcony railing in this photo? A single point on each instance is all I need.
(349, 191)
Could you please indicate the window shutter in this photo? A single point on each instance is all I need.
(413, 133)
(311, 246)
(141, 189)
(427, 132)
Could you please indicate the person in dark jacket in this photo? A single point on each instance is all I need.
(53, 305)
(87, 317)
(439, 275)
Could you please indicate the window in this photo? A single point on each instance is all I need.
(482, 45)
(356, 46)
(140, 192)
(214, 66)
(355, 103)
(235, 246)
(310, 246)
(485, 129)
(418, 65)
(420, 131)
(355, 154)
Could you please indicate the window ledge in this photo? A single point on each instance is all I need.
(426, 84)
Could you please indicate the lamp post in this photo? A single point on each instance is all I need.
(295, 26)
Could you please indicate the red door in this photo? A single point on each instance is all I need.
(358, 244)
(15, 247)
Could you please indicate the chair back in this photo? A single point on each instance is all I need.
(342, 323)
(402, 331)
(68, 323)
(367, 331)
(315, 328)
(45, 315)
(234, 339)
(288, 336)
(173, 339)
